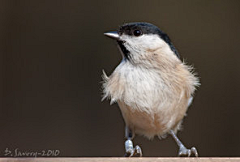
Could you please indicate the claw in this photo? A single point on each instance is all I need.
(138, 150)
(132, 151)
(194, 151)
(183, 151)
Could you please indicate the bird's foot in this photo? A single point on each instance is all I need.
(132, 151)
(136, 151)
(183, 151)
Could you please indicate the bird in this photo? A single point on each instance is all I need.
(152, 86)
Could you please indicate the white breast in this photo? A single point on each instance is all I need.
(150, 104)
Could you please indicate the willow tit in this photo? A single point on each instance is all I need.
(151, 85)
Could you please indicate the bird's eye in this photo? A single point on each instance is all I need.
(137, 33)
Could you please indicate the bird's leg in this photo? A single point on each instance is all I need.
(183, 151)
(130, 150)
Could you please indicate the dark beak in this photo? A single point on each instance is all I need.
(113, 35)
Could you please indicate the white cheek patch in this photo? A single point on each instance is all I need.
(143, 43)
(150, 41)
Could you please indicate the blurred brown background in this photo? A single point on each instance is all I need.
(52, 56)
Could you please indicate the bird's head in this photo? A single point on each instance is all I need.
(139, 40)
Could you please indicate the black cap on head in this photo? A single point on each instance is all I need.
(137, 28)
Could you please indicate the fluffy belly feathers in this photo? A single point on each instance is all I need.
(151, 103)
(154, 121)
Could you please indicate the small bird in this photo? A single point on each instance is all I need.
(151, 85)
